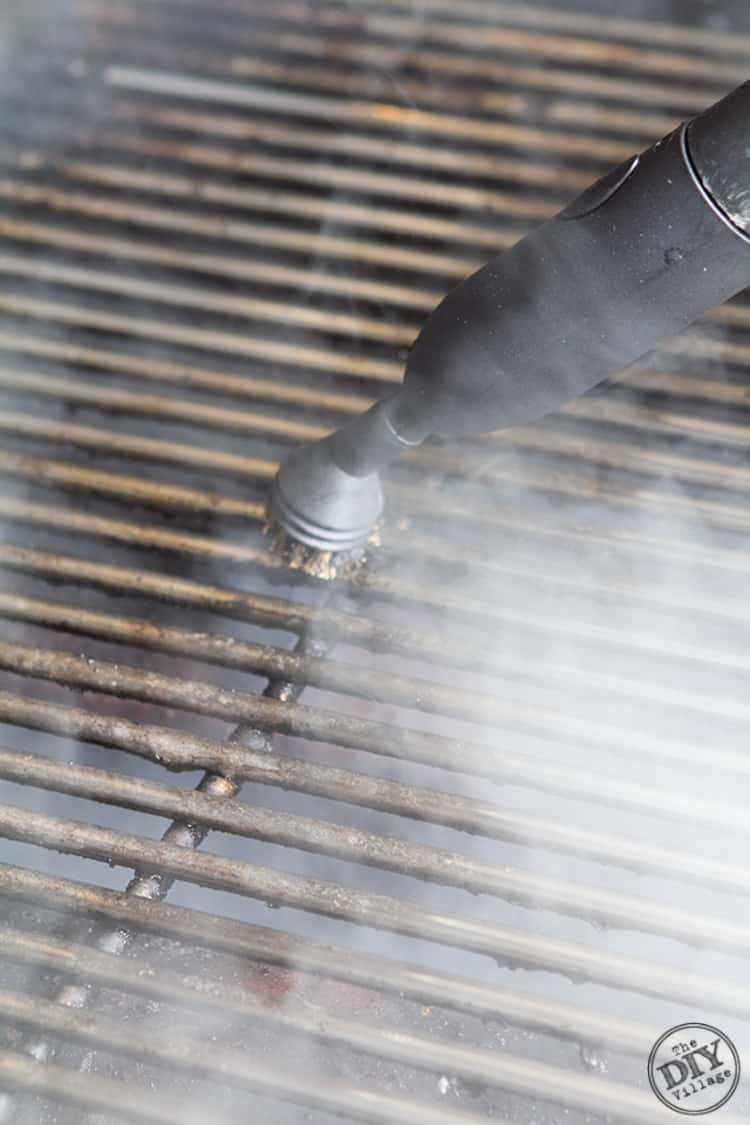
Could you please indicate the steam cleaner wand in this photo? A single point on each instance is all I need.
(635, 259)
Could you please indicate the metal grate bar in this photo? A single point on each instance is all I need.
(369, 113)
(182, 375)
(220, 266)
(315, 1022)
(376, 911)
(181, 751)
(282, 613)
(195, 223)
(596, 25)
(575, 448)
(210, 810)
(225, 1066)
(188, 297)
(508, 40)
(420, 982)
(342, 729)
(189, 544)
(22, 1074)
(402, 690)
(211, 340)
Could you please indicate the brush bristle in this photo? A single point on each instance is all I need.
(324, 565)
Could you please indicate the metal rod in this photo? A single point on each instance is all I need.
(213, 265)
(344, 730)
(227, 1066)
(197, 413)
(668, 421)
(716, 349)
(475, 1064)
(388, 975)
(260, 609)
(377, 911)
(368, 113)
(177, 750)
(402, 690)
(317, 244)
(192, 545)
(306, 206)
(63, 517)
(188, 297)
(113, 444)
(640, 125)
(174, 373)
(212, 811)
(126, 1101)
(211, 340)
(130, 489)
(720, 392)
(473, 162)
(467, 649)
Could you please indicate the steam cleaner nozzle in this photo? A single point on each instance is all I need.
(636, 258)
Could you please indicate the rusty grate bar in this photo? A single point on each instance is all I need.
(189, 544)
(207, 808)
(195, 696)
(367, 632)
(440, 988)
(180, 751)
(310, 1022)
(186, 833)
(173, 498)
(622, 455)
(341, 677)
(381, 912)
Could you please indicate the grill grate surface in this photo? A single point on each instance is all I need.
(454, 841)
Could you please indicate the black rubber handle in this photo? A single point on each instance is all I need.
(634, 260)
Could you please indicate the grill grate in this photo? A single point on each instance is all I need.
(496, 785)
